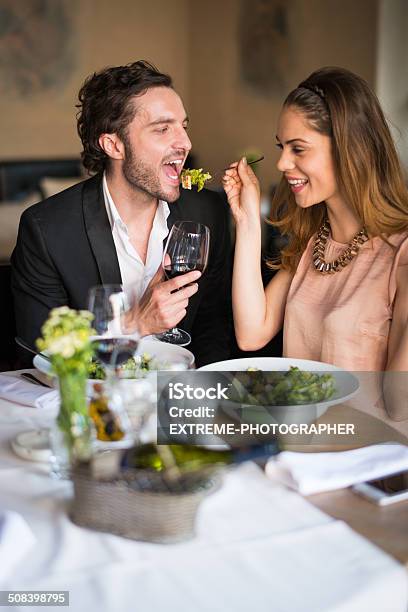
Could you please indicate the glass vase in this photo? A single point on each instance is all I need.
(71, 438)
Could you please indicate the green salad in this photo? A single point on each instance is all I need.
(190, 177)
(135, 367)
(281, 388)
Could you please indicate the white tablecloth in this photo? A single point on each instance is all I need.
(259, 546)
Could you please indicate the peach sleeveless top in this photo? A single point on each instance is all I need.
(345, 318)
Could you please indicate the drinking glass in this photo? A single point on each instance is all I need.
(115, 310)
(115, 321)
(186, 249)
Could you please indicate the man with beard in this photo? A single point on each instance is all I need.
(110, 229)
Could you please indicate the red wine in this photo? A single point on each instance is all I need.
(177, 269)
(115, 351)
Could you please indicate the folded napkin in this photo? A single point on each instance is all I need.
(16, 539)
(21, 392)
(315, 472)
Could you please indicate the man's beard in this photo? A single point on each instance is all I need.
(144, 178)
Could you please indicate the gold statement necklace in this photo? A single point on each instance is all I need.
(344, 259)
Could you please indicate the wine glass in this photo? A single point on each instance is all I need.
(186, 250)
(115, 321)
(115, 310)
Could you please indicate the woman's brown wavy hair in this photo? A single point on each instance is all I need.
(341, 105)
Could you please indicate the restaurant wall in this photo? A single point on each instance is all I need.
(47, 49)
(392, 70)
(231, 114)
(232, 61)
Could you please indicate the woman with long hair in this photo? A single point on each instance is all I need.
(341, 290)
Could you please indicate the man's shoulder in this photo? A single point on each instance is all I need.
(62, 203)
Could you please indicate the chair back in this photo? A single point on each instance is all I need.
(7, 321)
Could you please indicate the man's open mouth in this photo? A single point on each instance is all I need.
(173, 168)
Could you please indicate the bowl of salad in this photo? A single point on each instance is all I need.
(151, 356)
(282, 390)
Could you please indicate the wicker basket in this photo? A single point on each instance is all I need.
(118, 507)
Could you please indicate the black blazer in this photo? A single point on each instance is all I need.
(65, 246)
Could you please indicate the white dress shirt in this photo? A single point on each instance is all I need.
(134, 272)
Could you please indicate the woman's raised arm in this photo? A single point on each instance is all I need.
(258, 313)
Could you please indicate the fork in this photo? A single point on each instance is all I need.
(34, 379)
(254, 161)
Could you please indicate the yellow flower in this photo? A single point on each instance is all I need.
(66, 335)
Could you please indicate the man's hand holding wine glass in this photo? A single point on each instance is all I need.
(164, 302)
(185, 258)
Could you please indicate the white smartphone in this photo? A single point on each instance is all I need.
(384, 491)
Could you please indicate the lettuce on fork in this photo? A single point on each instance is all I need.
(190, 177)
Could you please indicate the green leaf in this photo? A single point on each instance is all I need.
(197, 177)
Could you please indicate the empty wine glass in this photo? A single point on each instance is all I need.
(186, 249)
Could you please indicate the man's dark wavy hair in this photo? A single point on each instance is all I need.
(105, 105)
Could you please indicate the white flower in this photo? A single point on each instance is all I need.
(66, 333)
(63, 346)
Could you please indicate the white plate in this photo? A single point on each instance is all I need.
(161, 351)
(347, 386)
(33, 445)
